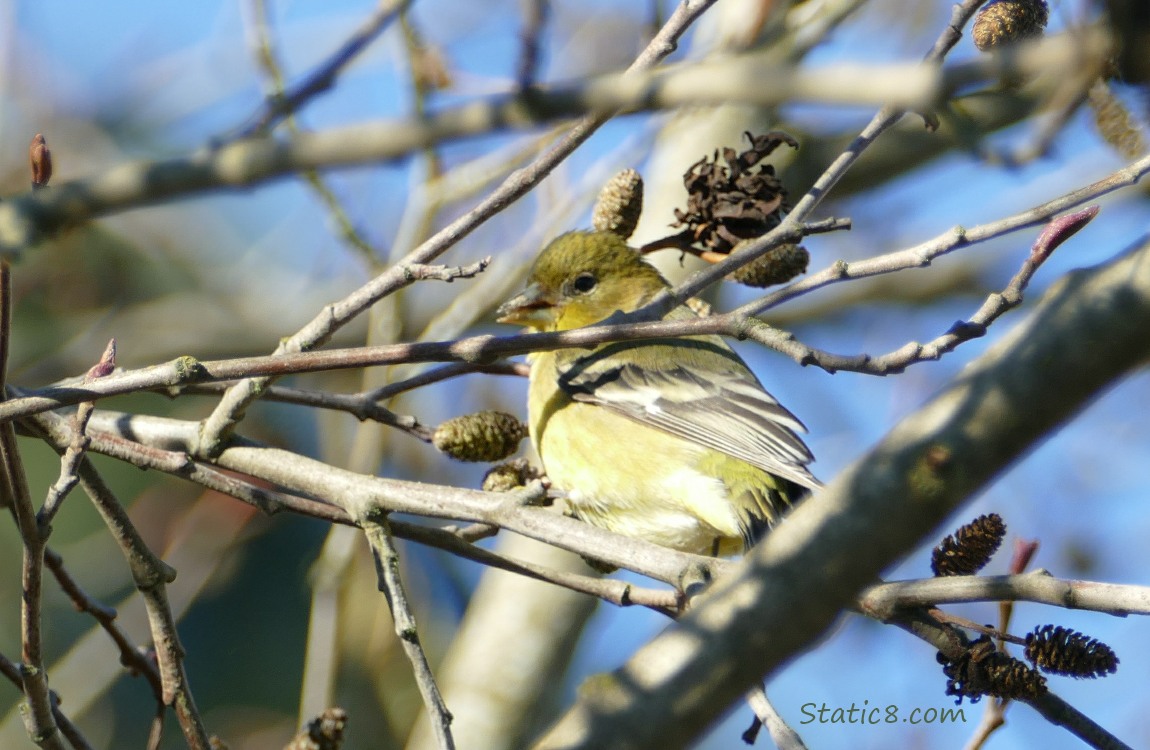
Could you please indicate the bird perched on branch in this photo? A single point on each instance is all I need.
(671, 440)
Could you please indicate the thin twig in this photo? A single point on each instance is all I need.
(535, 15)
(275, 88)
(105, 617)
(361, 406)
(389, 581)
(995, 306)
(11, 671)
(39, 719)
(782, 734)
(77, 445)
(282, 104)
(445, 372)
(151, 576)
(481, 350)
(423, 272)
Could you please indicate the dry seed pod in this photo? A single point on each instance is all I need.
(1064, 651)
(983, 670)
(1011, 678)
(619, 204)
(1007, 21)
(483, 436)
(970, 548)
(732, 197)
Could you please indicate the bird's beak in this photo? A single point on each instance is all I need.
(531, 307)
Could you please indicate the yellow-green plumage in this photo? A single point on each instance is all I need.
(671, 440)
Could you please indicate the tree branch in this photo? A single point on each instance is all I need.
(27, 219)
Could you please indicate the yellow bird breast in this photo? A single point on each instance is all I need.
(640, 481)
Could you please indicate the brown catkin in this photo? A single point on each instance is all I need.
(1007, 21)
(619, 205)
(777, 266)
(1114, 122)
(483, 436)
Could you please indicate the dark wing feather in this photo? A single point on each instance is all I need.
(726, 410)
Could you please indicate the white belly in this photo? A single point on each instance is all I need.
(684, 510)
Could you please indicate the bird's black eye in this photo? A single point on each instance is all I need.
(584, 282)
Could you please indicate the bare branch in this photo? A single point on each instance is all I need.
(422, 272)
(39, 718)
(881, 601)
(105, 616)
(27, 219)
(284, 103)
(994, 307)
(361, 406)
(11, 671)
(535, 15)
(456, 541)
(387, 573)
(151, 575)
(481, 349)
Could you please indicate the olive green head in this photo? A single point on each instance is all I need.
(582, 278)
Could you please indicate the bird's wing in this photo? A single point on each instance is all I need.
(708, 396)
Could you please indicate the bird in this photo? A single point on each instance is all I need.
(671, 440)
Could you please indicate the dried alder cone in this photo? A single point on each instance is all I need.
(970, 548)
(1064, 651)
(732, 198)
(983, 670)
(483, 436)
(1008, 21)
